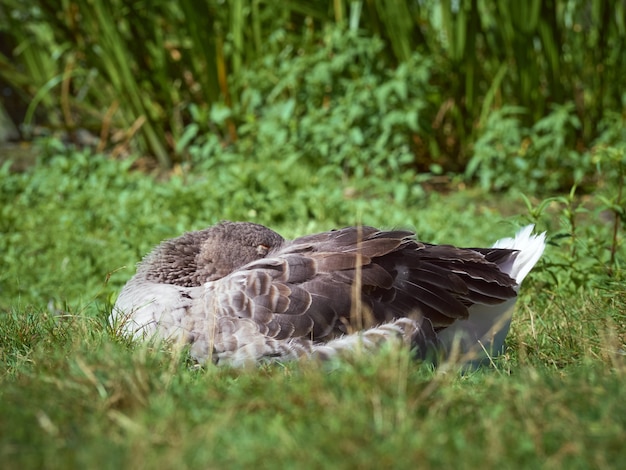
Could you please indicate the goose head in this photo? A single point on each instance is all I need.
(207, 255)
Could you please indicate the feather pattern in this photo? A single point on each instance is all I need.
(239, 293)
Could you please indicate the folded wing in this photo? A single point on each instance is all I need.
(307, 287)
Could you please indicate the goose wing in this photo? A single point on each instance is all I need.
(441, 282)
(306, 287)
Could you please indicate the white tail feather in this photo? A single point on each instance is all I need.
(482, 334)
(530, 249)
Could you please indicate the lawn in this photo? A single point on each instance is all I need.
(73, 394)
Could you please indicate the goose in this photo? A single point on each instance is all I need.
(238, 293)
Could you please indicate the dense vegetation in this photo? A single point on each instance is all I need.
(419, 79)
(463, 120)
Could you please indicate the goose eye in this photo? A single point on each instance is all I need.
(262, 250)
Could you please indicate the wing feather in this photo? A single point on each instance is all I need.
(305, 287)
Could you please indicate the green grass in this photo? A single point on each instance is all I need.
(73, 394)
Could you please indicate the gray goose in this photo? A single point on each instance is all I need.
(238, 293)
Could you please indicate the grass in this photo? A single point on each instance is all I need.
(73, 394)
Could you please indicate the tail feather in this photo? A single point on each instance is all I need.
(530, 249)
(483, 333)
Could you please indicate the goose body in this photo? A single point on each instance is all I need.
(238, 293)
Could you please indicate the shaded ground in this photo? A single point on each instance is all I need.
(22, 155)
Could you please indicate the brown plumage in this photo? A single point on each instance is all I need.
(239, 292)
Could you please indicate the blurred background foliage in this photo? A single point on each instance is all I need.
(397, 89)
